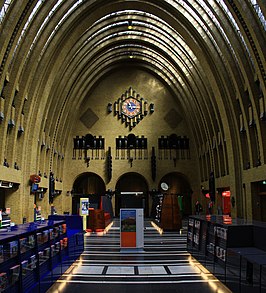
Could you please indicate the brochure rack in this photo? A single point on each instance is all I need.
(210, 238)
(33, 256)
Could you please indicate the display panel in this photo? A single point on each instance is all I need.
(131, 228)
(84, 206)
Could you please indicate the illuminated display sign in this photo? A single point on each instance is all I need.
(226, 193)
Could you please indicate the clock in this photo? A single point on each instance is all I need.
(131, 107)
(164, 186)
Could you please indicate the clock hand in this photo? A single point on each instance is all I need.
(132, 106)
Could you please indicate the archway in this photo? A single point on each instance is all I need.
(132, 192)
(178, 185)
(88, 185)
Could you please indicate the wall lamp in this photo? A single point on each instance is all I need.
(6, 163)
(20, 130)
(131, 162)
(11, 123)
(6, 184)
(109, 108)
(151, 108)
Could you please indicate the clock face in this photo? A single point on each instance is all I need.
(164, 186)
(131, 107)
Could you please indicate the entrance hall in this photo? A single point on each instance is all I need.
(152, 104)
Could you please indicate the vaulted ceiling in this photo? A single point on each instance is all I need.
(209, 54)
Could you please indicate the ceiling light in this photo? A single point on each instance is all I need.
(129, 26)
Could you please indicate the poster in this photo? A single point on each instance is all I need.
(128, 228)
(84, 206)
(128, 221)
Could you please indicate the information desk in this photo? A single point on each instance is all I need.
(33, 256)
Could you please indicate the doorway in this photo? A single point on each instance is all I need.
(258, 190)
(88, 185)
(263, 208)
(132, 192)
(179, 186)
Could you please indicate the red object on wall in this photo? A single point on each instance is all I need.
(226, 196)
(35, 178)
(226, 193)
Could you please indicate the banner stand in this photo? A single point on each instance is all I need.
(131, 230)
(84, 211)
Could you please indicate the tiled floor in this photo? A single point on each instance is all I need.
(164, 266)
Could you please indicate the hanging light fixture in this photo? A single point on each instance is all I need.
(129, 25)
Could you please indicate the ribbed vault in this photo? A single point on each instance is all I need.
(207, 53)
